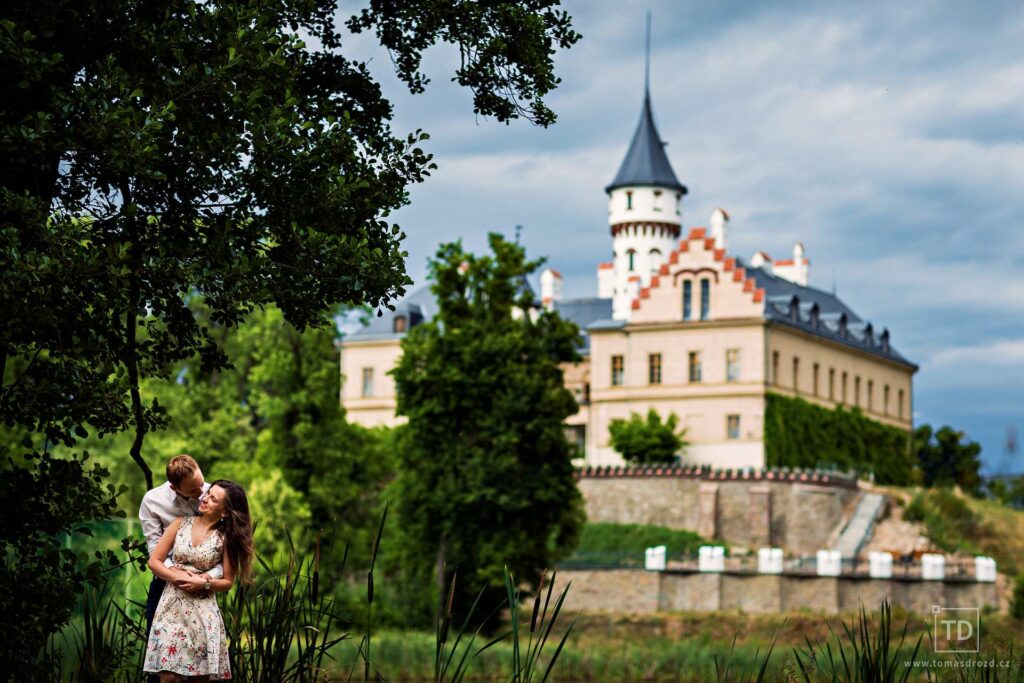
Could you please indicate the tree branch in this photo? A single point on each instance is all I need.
(130, 357)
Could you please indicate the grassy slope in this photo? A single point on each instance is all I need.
(955, 522)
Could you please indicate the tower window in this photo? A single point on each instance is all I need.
(732, 365)
(657, 200)
(632, 259)
(687, 299)
(695, 366)
(705, 299)
(655, 260)
(618, 370)
(654, 368)
(629, 201)
(679, 199)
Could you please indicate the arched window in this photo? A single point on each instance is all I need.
(655, 259)
(632, 259)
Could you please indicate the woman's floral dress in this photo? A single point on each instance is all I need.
(188, 635)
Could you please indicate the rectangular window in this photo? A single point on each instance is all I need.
(856, 391)
(367, 382)
(576, 435)
(732, 365)
(831, 384)
(654, 368)
(687, 299)
(871, 390)
(843, 398)
(695, 368)
(885, 399)
(705, 299)
(732, 426)
(618, 370)
(586, 394)
(814, 378)
(796, 375)
(900, 408)
(775, 367)
(629, 201)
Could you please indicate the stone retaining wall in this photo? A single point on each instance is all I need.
(636, 591)
(797, 511)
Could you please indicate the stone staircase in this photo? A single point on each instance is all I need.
(862, 521)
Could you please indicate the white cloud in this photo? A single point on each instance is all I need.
(1004, 353)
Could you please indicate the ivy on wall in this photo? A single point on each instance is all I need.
(801, 434)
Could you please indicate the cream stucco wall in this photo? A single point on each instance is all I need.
(381, 356)
(833, 356)
(703, 406)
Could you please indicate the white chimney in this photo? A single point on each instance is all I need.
(719, 222)
(550, 288)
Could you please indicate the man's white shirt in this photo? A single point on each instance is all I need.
(160, 507)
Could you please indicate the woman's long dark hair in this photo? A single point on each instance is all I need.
(236, 525)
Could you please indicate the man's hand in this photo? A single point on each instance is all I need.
(191, 583)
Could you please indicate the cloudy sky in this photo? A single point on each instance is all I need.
(888, 137)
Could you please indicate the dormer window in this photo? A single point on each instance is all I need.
(629, 200)
(399, 325)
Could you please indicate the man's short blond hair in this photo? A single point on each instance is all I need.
(181, 468)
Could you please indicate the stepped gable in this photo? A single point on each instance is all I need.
(782, 301)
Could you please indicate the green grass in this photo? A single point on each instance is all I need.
(635, 538)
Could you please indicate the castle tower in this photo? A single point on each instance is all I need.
(645, 205)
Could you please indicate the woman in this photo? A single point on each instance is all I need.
(188, 640)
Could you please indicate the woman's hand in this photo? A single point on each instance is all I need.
(191, 583)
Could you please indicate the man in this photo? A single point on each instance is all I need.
(179, 496)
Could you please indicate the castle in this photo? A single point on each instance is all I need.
(679, 325)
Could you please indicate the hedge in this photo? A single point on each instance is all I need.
(801, 434)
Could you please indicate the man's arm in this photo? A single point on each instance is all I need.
(152, 527)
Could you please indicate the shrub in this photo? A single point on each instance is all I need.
(1017, 602)
(647, 440)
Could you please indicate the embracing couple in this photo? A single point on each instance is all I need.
(200, 540)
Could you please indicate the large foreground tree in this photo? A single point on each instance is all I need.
(150, 152)
(485, 479)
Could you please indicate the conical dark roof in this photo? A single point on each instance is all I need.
(646, 162)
